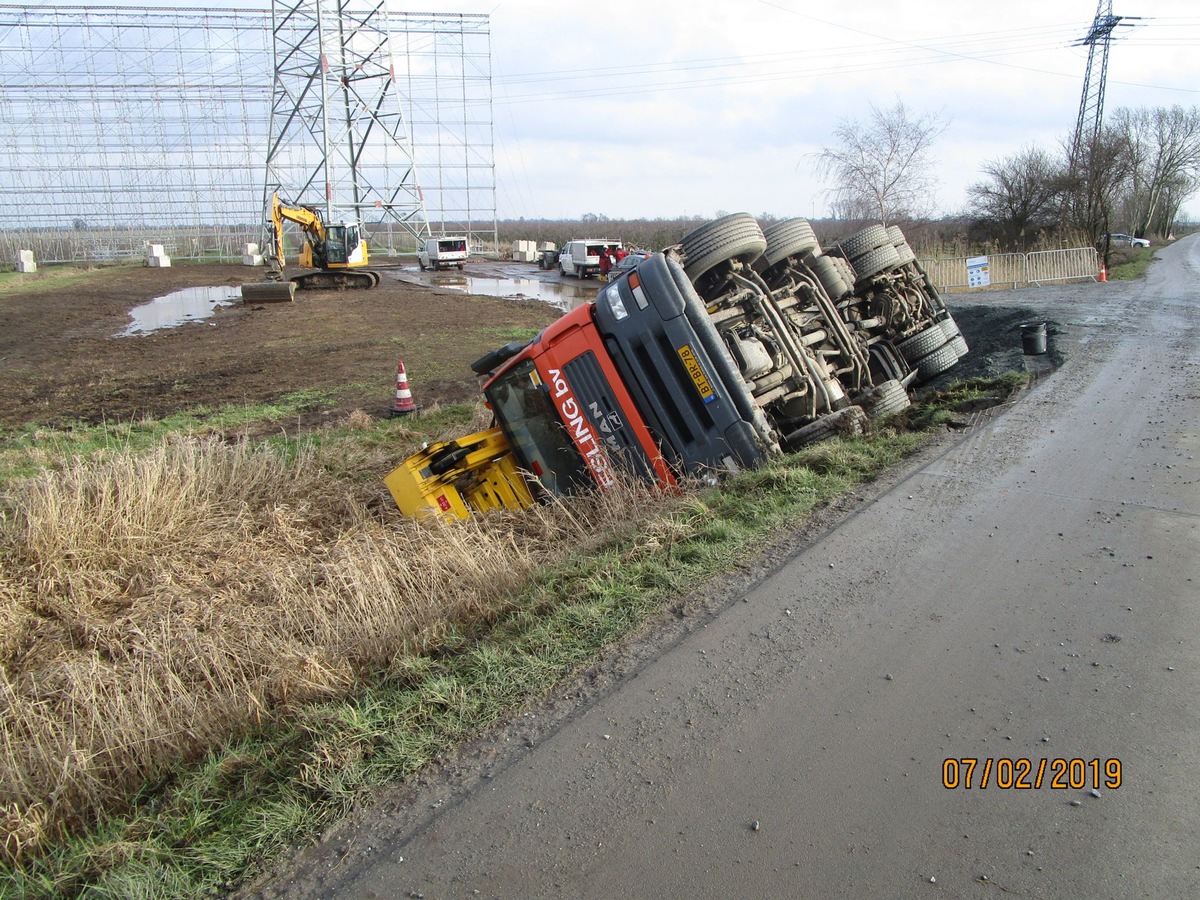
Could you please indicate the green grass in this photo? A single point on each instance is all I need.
(1129, 264)
(25, 450)
(211, 826)
(52, 278)
(504, 335)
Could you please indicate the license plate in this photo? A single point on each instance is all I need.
(697, 373)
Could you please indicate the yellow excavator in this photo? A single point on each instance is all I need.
(337, 252)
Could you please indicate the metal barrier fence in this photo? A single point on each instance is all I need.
(1016, 269)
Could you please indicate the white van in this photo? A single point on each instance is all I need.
(442, 253)
(582, 258)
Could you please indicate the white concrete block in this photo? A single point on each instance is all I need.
(25, 261)
(547, 245)
(159, 262)
(252, 259)
(250, 250)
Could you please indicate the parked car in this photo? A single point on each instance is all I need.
(1125, 240)
(630, 261)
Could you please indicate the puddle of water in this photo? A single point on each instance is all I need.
(178, 308)
(564, 295)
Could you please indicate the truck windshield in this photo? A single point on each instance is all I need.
(539, 439)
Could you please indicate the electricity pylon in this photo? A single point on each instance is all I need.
(1091, 103)
(338, 138)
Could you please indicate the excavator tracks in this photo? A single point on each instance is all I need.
(336, 280)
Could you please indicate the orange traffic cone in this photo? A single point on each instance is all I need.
(1103, 273)
(403, 404)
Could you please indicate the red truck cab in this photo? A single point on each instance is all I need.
(638, 380)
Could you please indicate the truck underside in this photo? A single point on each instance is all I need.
(734, 345)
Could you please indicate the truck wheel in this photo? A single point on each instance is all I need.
(791, 237)
(847, 421)
(561, 271)
(922, 343)
(936, 362)
(864, 241)
(949, 327)
(730, 237)
(830, 276)
(871, 263)
(884, 399)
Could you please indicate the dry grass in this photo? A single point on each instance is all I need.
(154, 604)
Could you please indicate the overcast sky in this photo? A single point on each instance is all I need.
(690, 107)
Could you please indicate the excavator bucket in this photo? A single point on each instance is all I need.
(268, 292)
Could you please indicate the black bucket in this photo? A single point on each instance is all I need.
(1033, 338)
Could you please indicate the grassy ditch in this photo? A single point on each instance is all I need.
(1129, 263)
(210, 648)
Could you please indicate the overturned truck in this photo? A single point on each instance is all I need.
(733, 345)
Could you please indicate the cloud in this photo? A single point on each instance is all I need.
(670, 111)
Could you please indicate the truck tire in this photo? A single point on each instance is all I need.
(905, 253)
(949, 327)
(864, 241)
(791, 237)
(871, 263)
(922, 343)
(562, 273)
(846, 421)
(895, 235)
(884, 399)
(830, 276)
(936, 362)
(731, 237)
(959, 343)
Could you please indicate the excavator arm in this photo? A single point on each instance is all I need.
(306, 217)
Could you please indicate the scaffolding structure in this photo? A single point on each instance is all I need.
(135, 125)
(452, 130)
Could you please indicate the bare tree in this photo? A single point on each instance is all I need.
(1163, 149)
(883, 168)
(1020, 197)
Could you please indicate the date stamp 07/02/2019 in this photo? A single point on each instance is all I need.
(1030, 774)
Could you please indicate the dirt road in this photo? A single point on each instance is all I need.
(1026, 592)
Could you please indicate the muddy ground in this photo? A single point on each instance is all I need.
(61, 359)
